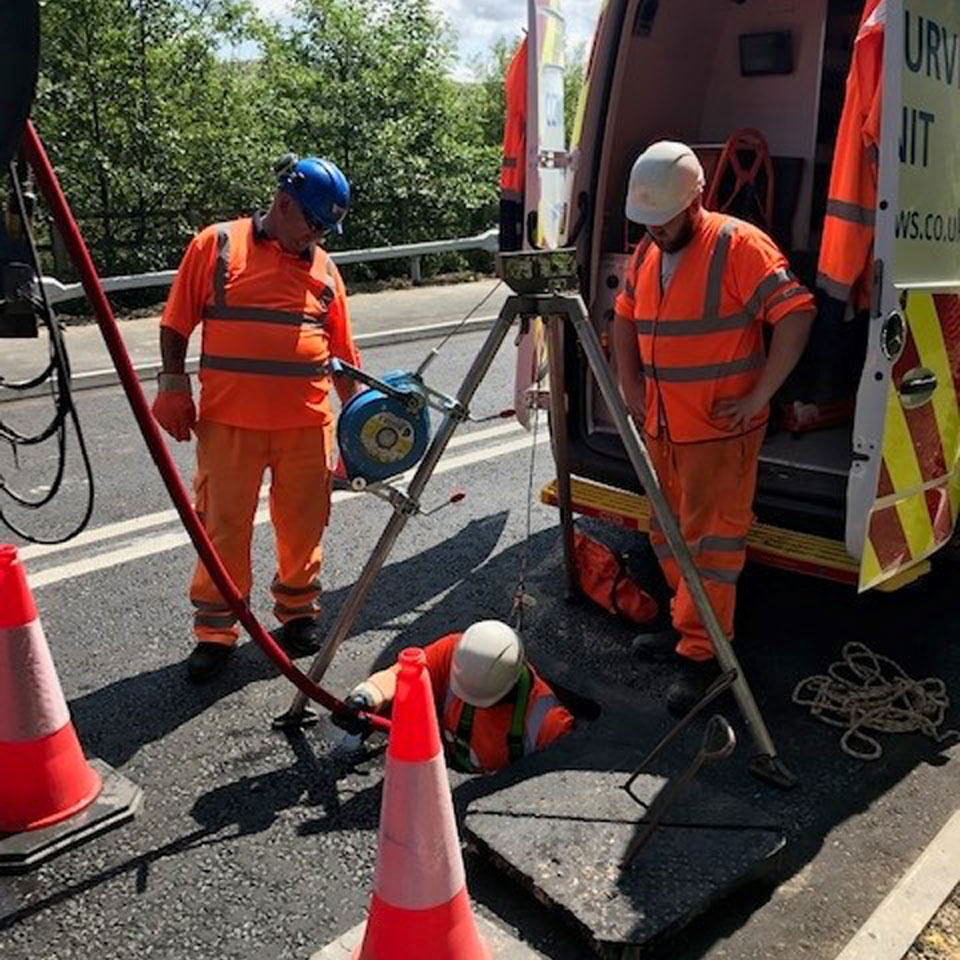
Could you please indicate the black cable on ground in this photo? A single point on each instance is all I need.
(57, 374)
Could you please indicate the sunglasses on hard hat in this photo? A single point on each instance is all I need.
(316, 227)
(323, 229)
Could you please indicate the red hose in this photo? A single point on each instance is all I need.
(48, 184)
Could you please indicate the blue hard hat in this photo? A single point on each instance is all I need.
(321, 190)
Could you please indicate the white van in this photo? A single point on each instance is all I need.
(870, 497)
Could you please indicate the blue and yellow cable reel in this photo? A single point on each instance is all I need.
(383, 431)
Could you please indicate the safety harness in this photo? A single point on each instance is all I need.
(460, 745)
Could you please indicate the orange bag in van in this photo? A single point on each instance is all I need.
(603, 577)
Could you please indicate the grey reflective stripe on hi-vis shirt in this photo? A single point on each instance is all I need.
(834, 288)
(536, 715)
(241, 313)
(710, 371)
(273, 368)
(222, 265)
(714, 544)
(716, 272)
(261, 315)
(691, 328)
(852, 213)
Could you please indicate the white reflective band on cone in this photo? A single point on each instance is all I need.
(419, 864)
(31, 700)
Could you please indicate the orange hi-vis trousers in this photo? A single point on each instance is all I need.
(231, 462)
(709, 487)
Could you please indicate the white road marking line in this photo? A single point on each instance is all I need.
(910, 906)
(148, 521)
(149, 546)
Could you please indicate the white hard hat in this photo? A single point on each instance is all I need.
(486, 663)
(665, 180)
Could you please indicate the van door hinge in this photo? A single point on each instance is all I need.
(553, 159)
(876, 305)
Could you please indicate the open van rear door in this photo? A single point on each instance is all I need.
(545, 193)
(904, 492)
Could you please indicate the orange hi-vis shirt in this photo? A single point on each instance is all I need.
(845, 267)
(513, 171)
(701, 340)
(546, 720)
(270, 322)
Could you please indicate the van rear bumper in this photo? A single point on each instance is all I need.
(773, 546)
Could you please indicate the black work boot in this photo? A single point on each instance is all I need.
(656, 646)
(300, 638)
(690, 684)
(206, 660)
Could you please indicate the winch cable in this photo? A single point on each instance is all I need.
(63, 217)
(865, 691)
(520, 598)
(57, 374)
(435, 352)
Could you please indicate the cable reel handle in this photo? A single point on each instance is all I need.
(412, 400)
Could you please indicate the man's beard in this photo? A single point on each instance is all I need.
(682, 238)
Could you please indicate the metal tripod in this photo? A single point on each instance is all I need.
(407, 505)
(555, 310)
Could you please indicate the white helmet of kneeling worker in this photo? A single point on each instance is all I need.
(486, 663)
(665, 180)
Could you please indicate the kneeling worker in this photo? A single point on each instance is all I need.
(492, 705)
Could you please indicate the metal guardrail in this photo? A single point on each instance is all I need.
(414, 252)
(107, 376)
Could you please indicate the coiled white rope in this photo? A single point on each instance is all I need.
(868, 692)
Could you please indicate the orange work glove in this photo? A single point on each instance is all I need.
(173, 408)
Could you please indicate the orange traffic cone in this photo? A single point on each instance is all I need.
(420, 908)
(45, 778)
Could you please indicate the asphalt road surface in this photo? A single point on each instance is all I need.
(253, 846)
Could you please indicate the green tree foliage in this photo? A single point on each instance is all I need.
(573, 85)
(485, 98)
(367, 83)
(155, 130)
(149, 130)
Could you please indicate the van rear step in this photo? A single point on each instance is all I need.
(773, 546)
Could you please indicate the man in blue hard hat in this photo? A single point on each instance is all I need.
(274, 312)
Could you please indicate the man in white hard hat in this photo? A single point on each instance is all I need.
(493, 706)
(696, 375)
